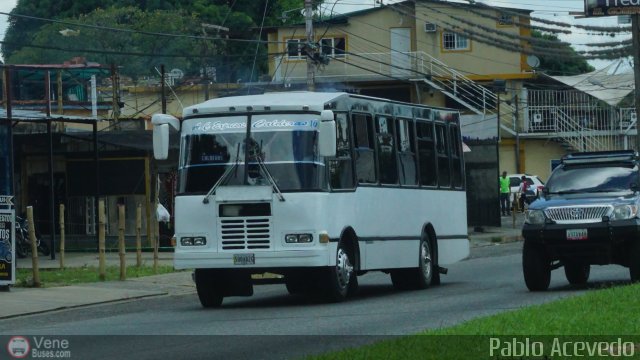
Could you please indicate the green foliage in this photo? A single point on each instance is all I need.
(603, 315)
(570, 64)
(232, 59)
(84, 274)
(50, 39)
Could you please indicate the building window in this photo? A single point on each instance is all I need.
(334, 47)
(453, 41)
(505, 20)
(295, 49)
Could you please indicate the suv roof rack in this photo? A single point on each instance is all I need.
(600, 156)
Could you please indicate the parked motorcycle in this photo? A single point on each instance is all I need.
(23, 244)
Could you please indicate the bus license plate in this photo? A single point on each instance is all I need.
(244, 259)
(576, 234)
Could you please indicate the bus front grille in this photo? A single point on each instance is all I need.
(252, 233)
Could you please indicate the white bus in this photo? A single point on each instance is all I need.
(318, 188)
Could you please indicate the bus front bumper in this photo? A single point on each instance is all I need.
(261, 260)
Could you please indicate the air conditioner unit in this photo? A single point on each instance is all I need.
(537, 118)
(430, 27)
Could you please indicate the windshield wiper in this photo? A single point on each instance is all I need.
(256, 155)
(222, 178)
(269, 177)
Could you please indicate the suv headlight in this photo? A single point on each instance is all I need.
(624, 212)
(535, 217)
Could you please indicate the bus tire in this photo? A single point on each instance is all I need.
(420, 277)
(338, 279)
(536, 267)
(210, 296)
(576, 273)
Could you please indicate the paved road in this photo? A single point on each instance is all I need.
(487, 283)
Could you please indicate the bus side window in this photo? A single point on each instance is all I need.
(364, 150)
(426, 153)
(456, 158)
(387, 160)
(442, 149)
(406, 152)
(341, 168)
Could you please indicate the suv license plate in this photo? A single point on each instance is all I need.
(576, 234)
(244, 259)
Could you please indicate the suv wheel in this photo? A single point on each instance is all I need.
(536, 267)
(577, 274)
(634, 261)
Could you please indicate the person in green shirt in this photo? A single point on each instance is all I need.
(505, 194)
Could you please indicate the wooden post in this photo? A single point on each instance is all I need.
(156, 241)
(61, 236)
(138, 236)
(34, 247)
(121, 247)
(101, 235)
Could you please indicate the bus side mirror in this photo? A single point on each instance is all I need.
(327, 139)
(161, 124)
(161, 141)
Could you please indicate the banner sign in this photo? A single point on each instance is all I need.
(611, 7)
(7, 247)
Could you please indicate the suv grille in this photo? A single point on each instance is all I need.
(578, 214)
(245, 233)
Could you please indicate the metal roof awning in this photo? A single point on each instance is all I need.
(610, 88)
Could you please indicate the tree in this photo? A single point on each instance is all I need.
(119, 48)
(570, 64)
(238, 15)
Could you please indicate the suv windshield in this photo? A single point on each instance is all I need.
(608, 178)
(287, 144)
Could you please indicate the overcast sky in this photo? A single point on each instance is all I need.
(557, 10)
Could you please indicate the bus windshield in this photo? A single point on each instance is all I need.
(286, 144)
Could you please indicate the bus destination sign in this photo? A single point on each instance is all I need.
(611, 7)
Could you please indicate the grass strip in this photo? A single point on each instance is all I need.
(603, 317)
(84, 274)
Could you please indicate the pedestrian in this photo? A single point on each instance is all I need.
(505, 194)
(522, 192)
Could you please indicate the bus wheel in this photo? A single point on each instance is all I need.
(416, 278)
(339, 277)
(209, 295)
(536, 267)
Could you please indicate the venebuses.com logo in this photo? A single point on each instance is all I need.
(18, 347)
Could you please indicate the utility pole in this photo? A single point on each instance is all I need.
(308, 12)
(635, 31)
(517, 127)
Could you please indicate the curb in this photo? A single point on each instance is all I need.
(3, 317)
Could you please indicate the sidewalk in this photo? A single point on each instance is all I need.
(510, 231)
(23, 301)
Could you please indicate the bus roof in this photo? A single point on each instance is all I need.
(285, 101)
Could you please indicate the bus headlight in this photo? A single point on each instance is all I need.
(193, 241)
(624, 212)
(298, 238)
(535, 217)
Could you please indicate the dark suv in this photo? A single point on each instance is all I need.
(587, 215)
